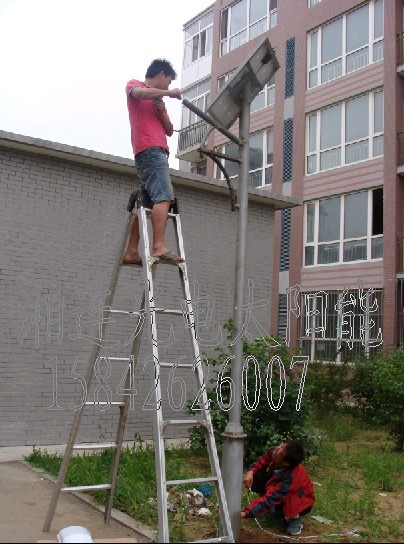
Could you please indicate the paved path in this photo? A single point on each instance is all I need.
(24, 501)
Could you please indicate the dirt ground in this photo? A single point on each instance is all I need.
(24, 501)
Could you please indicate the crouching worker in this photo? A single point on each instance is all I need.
(283, 485)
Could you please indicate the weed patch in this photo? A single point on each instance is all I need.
(358, 484)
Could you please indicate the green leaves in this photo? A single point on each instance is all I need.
(268, 382)
(377, 386)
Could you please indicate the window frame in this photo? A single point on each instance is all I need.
(186, 113)
(333, 341)
(266, 166)
(190, 41)
(247, 33)
(341, 240)
(313, 158)
(371, 43)
(269, 89)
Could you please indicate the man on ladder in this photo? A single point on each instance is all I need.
(150, 126)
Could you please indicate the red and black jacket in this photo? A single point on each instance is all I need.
(290, 487)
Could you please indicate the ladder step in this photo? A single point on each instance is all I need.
(216, 539)
(106, 446)
(182, 422)
(115, 359)
(86, 487)
(124, 312)
(95, 403)
(167, 311)
(179, 365)
(193, 481)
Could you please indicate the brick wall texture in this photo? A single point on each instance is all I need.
(60, 226)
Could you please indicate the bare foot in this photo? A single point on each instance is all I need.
(132, 258)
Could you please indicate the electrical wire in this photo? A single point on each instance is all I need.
(287, 537)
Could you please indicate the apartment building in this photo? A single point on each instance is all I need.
(328, 129)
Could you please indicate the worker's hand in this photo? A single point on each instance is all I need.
(248, 480)
(243, 514)
(175, 93)
(159, 105)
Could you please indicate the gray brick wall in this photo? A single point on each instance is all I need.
(60, 224)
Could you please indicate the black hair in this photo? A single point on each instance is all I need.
(161, 65)
(294, 453)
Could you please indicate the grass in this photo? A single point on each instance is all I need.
(359, 481)
(358, 484)
(135, 492)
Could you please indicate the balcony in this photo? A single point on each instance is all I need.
(400, 54)
(400, 158)
(190, 140)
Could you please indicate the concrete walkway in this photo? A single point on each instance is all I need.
(25, 494)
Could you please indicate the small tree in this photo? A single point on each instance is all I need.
(270, 392)
(377, 386)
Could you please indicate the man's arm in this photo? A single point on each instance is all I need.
(148, 93)
(273, 495)
(162, 113)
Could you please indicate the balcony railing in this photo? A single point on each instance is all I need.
(400, 266)
(400, 44)
(400, 158)
(192, 136)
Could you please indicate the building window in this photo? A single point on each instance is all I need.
(221, 80)
(282, 316)
(348, 132)
(198, 95)
(266, 97)
(244, 21)
(344, 229)
(198, 39)
(261, 159)
(346, 44)
(313, 2)
(341, 325)
(199, 168)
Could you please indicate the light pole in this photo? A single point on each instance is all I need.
(231, 103)
(233, 436)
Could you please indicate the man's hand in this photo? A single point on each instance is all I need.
(161, 111)
(159, 105)
(243, 514)
(175, 93)
(248, 480)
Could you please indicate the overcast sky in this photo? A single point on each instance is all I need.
(65, 64)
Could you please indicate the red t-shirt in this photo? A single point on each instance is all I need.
(146, 127)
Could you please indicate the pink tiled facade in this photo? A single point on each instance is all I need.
(295, 19)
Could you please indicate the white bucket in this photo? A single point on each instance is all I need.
(75, 534)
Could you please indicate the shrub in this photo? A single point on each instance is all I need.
(263, 425)
(377, 386)
(327, 385)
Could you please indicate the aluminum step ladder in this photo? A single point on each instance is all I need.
(149, 309)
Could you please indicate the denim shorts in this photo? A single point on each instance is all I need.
(154, 176)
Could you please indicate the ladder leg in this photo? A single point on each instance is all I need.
(122, 419)
(89, 377)
(149, 272)
(62, 472)
(205, 412)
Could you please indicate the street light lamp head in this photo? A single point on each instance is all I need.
(245, 84)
